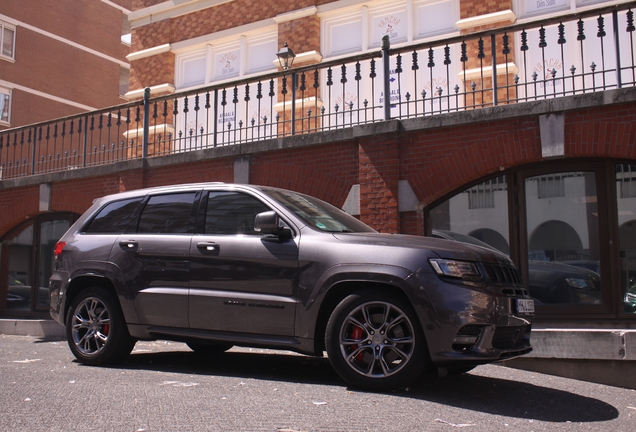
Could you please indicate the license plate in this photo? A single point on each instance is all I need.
(525, 306)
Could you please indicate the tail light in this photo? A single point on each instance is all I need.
(59, 247)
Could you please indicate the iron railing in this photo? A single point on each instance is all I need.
(546, 58)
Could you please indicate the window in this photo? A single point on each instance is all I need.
(5, 105)
(626, 186)
(114, 218)
(168, 214)
(7, 40)
(232, 213)
(551, 186)
(480, 219)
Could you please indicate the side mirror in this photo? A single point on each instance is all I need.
(269, 223)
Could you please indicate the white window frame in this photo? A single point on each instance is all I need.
(6, 94)
(5, 25)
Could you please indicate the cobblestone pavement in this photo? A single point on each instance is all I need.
(163, 386)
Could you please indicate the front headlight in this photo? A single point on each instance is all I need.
(454, 268)
(579, 283)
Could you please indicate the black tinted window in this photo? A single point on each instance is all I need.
(115, 217)
(232, 213)
(168, 214)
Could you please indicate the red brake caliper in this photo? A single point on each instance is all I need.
(357, 333)
(105, 329)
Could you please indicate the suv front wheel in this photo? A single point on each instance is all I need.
(374, 341)
(95, 328)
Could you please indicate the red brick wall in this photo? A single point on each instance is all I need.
(434, 161)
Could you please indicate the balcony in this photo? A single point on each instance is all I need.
(567, 55)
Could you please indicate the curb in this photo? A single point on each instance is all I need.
(48, 329)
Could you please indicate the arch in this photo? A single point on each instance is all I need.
(493, 238)
(552, 237)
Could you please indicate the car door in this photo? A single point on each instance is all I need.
(154, 259)
(241, 280)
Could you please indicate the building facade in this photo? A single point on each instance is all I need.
(61, 57)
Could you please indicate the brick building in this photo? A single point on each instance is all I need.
(541, 168)
(60, 58)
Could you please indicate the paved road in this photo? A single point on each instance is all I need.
(165, 387)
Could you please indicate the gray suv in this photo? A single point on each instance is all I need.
(216, 265)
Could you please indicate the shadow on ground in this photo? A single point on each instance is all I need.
(472, 392)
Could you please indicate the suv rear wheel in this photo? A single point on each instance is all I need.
(95, 328)
(374, 341)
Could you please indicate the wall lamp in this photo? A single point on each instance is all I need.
(286, 57)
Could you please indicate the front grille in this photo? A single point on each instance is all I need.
(509, 337)
(502, 274)
(470, 330)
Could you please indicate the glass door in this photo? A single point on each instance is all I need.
(562, 228)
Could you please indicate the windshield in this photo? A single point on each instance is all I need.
(316, 213)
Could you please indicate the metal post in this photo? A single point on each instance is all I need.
(293, 103)
(216, 116)
(35, 131)
(493, 49)
(144, 149)
(619, 82)
(386, 63)
(85, 145)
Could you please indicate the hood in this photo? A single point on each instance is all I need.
(447, 249)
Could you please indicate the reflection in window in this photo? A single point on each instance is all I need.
(168, 214)
(563, 244)
(232, 213)
(478, 214)
(15, 286)
(625, 179)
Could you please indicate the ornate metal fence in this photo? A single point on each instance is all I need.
(549, 58)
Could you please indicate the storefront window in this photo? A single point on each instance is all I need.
(563, 238)
(26, 263)
(626, 197)
(476, 215)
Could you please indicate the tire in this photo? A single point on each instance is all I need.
(96, 330)
(209, 348)
(375, 342)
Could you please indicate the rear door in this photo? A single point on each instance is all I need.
(154, 259)
(240, 280)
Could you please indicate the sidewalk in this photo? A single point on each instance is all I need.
(43, 328)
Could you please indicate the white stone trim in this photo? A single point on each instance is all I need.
(487, 19)
(294, 15)
(304, 58)
(472, 74)
(153, 130)
(158, 89)
(65, 41)
(149, 52)
(169, 9)
(14, 86)
(310, 102)
(116, 6)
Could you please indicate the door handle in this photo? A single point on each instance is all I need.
(129, 245)
(208, 246)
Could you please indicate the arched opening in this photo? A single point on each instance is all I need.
(555, 240)
(493, 238)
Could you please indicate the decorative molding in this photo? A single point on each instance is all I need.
(487, 19)
(137, 55)
(476, 73)
(169, 9)
(152, 130)
(310, 102)
(156, 90)
(294, 15)
(306, 57)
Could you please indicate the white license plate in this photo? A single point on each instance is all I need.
(525, 306)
